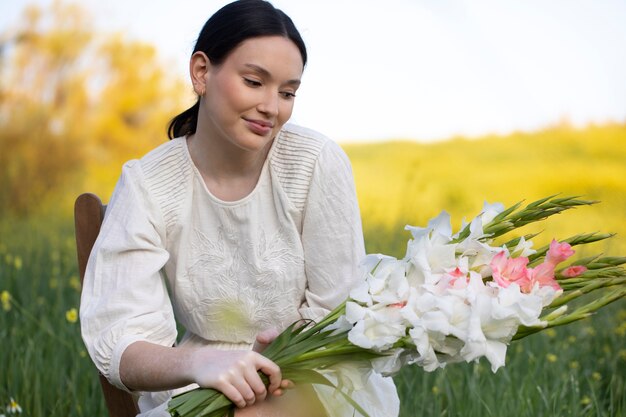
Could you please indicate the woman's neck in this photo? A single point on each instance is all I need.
(229, 172)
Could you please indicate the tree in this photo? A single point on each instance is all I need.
(74, 105)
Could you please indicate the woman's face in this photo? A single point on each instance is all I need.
(250, 96)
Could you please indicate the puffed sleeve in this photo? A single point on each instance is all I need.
(124, 297)
(332, 235)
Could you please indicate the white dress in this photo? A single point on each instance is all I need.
(226, 270)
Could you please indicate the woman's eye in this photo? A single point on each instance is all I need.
(288, 94)
(251, 82)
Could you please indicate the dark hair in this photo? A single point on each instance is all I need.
(224, 31)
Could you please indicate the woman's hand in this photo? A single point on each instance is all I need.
(263, 340)
(234, 373)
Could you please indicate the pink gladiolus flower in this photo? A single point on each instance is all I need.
(398, 305)
(506, 271)
(558, 252)
(573, 271)
(543, 274)
(455, 275)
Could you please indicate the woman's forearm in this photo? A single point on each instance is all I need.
(149, 367)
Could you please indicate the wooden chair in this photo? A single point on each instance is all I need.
(88, 216)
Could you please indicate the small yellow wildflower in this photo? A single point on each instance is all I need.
(71, 315)
(596, 376)
(435, 390)
(550, 332)
(574, 365)
(621, 329)
(571, 339)
(585, 400)
(5, 298)
(17, 262)
(622, 354)
(75, 283)
(14, 407)
(551, 357)
(54, 283)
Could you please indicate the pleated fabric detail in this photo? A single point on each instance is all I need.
(167, 172)
(293, 161)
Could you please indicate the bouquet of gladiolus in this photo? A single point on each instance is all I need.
(453, 297)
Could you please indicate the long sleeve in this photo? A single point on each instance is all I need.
(124, 297)
(332, 235)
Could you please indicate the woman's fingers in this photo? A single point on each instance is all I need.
(256, 383)
(263, 339)
(272, 371)
(233, 394)
(285, 384)
(245, 390)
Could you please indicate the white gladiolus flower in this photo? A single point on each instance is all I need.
(388, 285)
(490, 211)
(439, 228)
(376, 328)
(350, 376)
(546, 293)
(391, 364)
(487, 336)
(361, 293)
(427, 358)
(340, 325)
(526, 308)
(523, 248)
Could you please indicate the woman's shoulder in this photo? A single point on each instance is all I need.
(164, 174)
(167, 160)
(166, 154)
(296, 156)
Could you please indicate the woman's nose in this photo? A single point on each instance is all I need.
(269, 103)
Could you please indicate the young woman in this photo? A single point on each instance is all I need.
(236, 228)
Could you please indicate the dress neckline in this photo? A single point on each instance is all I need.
(246, 198)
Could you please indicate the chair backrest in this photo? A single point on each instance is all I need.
(88, 216)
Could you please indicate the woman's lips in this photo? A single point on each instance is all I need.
(260, 127)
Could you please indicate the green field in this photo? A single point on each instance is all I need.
(579, 370)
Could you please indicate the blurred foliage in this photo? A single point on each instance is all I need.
(74, 105)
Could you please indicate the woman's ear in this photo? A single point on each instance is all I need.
(199, 67)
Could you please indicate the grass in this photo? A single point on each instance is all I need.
(579, 370)
(45, 367)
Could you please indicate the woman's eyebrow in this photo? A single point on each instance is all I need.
(262, 71)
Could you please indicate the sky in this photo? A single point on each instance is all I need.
(420, 69)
